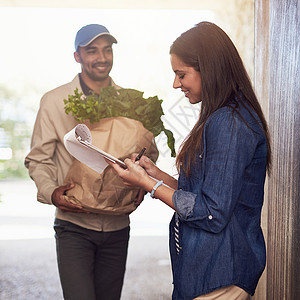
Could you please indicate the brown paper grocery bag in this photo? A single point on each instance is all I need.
(105, 193)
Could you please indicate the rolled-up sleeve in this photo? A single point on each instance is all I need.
(184, 203)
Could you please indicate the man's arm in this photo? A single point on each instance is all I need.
(39, 161)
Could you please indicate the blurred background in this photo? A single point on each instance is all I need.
(36, 55)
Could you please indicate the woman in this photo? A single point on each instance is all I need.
(216, 242)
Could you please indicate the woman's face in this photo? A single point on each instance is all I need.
(187, 79)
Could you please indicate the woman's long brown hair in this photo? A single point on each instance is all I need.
(209, 50)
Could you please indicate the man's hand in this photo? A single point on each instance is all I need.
(59, 201)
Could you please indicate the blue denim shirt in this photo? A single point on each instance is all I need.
(219, 209)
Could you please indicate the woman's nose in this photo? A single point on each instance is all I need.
(176, 83)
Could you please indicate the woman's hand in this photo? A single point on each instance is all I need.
(149, 166)
(134, 175)
(142, 173)
(153, 171)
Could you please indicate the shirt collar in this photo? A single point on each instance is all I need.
(86, 90)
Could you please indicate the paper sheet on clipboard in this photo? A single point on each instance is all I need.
(78, 142)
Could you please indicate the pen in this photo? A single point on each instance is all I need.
(140, 154)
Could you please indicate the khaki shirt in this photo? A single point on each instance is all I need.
(48, 161)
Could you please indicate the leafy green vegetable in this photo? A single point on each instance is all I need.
(120, 103)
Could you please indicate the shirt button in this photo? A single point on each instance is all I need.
(210, 217)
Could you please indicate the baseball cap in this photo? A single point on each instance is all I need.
(90, 32)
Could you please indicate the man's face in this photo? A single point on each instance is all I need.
(96, 59)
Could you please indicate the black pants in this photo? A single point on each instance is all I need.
(91, 264)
